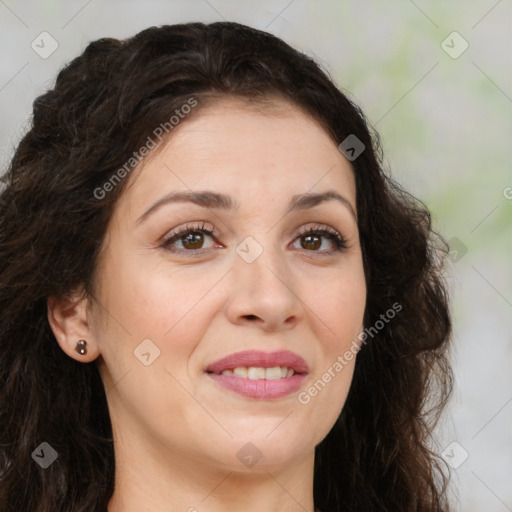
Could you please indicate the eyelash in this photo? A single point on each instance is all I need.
(333, 235)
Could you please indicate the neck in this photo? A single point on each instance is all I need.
(155, 481)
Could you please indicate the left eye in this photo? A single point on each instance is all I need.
(312, 237)
(192, 239)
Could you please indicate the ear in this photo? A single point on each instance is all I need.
(69, 323)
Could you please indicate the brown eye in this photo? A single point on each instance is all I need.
(311, 242)
(194, 240)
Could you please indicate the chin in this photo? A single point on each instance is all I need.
(254, 452)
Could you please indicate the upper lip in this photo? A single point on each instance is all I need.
(258, 358)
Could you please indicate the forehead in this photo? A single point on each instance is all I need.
(249, 151)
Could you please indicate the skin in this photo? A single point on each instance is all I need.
(176, 432)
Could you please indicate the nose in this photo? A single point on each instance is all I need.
(264, 292)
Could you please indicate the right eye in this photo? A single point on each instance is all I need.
(190, 236)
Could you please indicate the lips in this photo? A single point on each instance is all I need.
(257, 358)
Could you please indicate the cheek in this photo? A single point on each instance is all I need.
(172, 309)
(334, 397)
(340, 307)
(146, 297)
(338, 312)
(323, 399)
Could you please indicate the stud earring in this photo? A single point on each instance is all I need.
(81, 347)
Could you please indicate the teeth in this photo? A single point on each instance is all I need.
(257, 372)
(240, 372)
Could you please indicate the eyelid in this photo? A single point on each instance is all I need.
(318, 226)
(215, 232)
(198, 225)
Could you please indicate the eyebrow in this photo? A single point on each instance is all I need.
(219, 201)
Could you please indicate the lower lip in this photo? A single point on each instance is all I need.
(260, 389)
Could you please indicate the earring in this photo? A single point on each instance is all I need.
(81, 347)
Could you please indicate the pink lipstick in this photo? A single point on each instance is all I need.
(260, 375)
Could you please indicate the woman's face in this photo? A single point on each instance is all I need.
(173, 301)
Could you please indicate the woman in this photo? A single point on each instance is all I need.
(212, 296)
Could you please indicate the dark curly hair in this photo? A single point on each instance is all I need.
(378, 456)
